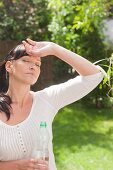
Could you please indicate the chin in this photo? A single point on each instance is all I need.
(30, 81)
(33, 82)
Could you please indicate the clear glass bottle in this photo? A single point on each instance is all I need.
(41, 149)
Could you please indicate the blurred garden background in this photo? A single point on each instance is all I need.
(83, 131)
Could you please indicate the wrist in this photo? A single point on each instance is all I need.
(10, 164)
(57, 49)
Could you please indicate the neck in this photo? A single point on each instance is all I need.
(18, 93)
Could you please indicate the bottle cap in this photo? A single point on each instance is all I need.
(43, 124)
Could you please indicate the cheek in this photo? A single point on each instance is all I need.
(19, 65)
(37, 71)
(18, 69)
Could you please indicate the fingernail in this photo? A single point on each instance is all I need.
(28, 39)
(32, 159)
(23, 41)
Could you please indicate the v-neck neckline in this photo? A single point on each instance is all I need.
(26, 119)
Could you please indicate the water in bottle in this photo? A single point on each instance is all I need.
(41, 149)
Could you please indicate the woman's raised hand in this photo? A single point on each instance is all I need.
(38, 49)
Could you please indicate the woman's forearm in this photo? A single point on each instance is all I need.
(80, 64)
(8, 165)
(23, 164)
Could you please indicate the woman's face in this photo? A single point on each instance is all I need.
(25, 70)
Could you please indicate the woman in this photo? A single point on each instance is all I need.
(21, 110)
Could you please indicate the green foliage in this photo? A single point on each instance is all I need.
(74, 19)
(22, 19)
(110, 8)
(78, 26)
(108, 79)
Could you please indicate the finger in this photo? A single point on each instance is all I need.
(31, 41)
(33, 164)
(24, 42)
(33, 167)
(42, 162)
(40, 167)
(34, 161)
(27, 47)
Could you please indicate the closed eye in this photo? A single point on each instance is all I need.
(38, 64)
(25, 60)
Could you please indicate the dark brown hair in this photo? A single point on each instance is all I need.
(5, 100)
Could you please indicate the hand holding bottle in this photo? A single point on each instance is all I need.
(23, 164)
(42, 165)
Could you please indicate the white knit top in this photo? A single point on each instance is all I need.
(17, 141)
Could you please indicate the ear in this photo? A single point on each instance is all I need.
(9, 66)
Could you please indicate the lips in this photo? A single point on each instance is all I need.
(31, 74)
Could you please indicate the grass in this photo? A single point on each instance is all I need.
(83, 138)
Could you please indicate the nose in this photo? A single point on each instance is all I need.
(32, 65)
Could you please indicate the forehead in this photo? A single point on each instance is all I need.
(32, 58)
